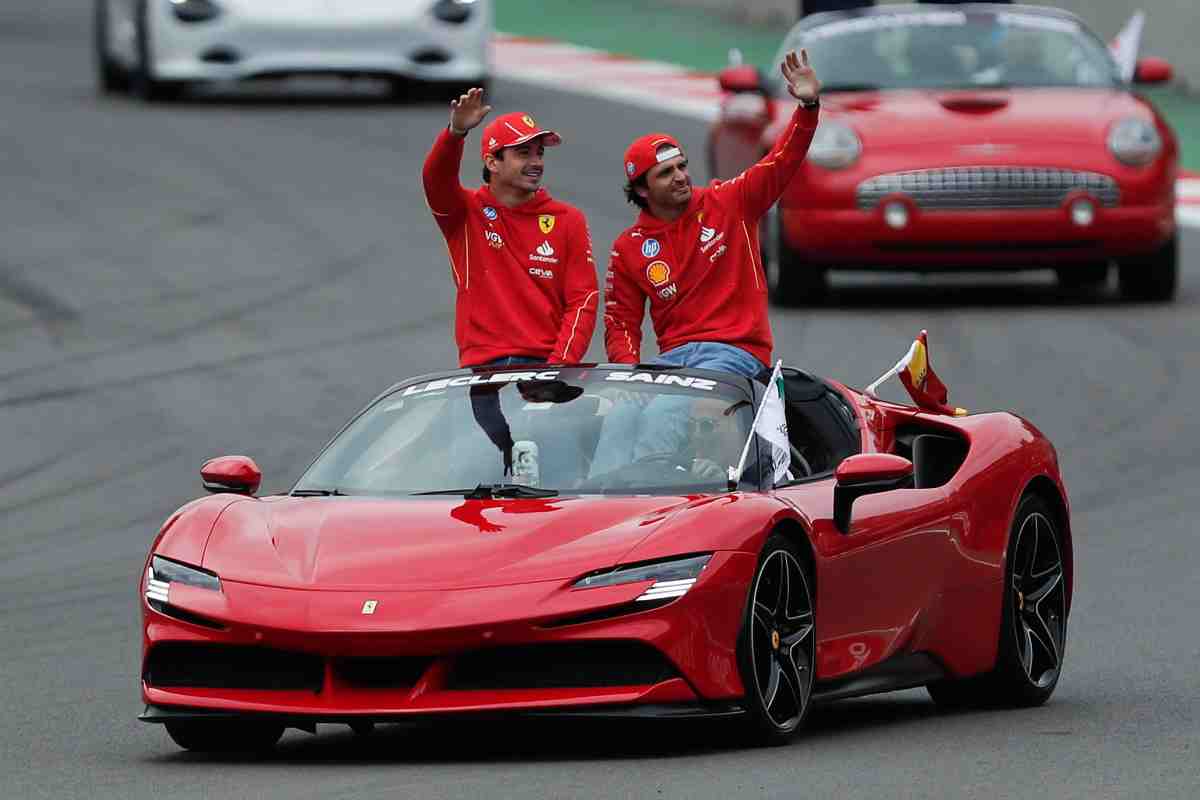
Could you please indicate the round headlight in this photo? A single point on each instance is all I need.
(453, 11)
(834, 146)
(1134, 141)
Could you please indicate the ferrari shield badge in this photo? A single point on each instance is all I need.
(546, 222)
(369, 606)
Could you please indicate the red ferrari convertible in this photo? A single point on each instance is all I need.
(965, 137)
(462, 547)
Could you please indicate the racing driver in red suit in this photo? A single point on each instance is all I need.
(694, 253)
(521, 260)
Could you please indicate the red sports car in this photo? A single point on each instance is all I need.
(965, 137)
(458, 547)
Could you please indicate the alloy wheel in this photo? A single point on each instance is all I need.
(1038, 601)
(783, 640)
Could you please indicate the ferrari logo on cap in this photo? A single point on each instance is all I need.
(369, 606)
(658, 273)
(546, 222)
(528, 120)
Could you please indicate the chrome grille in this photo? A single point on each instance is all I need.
(978, 188)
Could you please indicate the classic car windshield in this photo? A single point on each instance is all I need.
(953, 49)
(576, 430)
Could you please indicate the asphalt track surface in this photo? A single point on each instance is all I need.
(241, 273)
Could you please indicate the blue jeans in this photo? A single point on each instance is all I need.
(631, 432)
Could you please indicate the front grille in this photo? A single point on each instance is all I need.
(561, 666)
(215, 666)
(981, 188)
(381, 673)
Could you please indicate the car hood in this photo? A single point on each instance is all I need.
(428, 543)
(983, 117)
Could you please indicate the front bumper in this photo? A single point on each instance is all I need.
(452, 634)
(235, 47)
(850, 238)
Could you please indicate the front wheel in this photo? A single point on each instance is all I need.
(224, 736)
(110, 77)
(144, 81)
(792, 281)
(1033, 623)
(777, 644)
(1151, 278)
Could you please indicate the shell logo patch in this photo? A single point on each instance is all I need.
(528, 120)
(546, 222)
(658, 273)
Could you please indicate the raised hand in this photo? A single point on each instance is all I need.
(467, 111)
(801, 79)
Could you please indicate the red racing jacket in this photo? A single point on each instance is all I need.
(703, 272)
(525, 276)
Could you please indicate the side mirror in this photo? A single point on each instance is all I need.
(868, 473)
(1152, 70)
(740, 78)
(236, 474)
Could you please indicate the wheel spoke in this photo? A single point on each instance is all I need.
(1045, 583)
(1026, 645)
(789, 676)
(1043, 637)
(781, 602)
(793, 639)
(772, 684)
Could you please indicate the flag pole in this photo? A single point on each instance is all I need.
(871, 390)
(734, 473)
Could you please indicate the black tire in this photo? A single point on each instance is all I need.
(1151, 278)
(1033, 622)
(224, 736)
(111, 78)
(776, 648)
(143, 81)
(791, 280)
(1082, 276)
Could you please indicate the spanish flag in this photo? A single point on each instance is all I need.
(918, 377)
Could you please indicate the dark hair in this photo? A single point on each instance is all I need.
(631, 195)
(487, 174)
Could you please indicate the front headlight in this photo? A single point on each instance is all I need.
(1134, 141)
(834, 146)
(195, 10)
(163, 572)
(453, 11)
(671, 578)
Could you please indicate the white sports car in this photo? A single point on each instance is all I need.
(158, 47)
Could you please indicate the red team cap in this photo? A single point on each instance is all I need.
(514, 129)
(644, 153)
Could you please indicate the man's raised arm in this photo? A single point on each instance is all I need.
(443, 190)
(757, 189)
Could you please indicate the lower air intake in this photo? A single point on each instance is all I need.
(210, 666)
(574, 665)
(380, 673)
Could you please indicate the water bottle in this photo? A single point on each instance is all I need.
(525, 463)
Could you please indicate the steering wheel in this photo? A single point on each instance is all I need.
(798, 456)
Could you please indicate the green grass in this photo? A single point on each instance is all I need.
(648, 30)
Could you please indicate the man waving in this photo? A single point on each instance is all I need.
(693, 253)
(521, 261)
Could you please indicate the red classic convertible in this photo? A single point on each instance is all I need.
(459, 548)
(965, 137)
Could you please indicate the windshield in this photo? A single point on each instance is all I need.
(577, 430)
(953, 49)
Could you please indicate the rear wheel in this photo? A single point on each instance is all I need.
(224, 736)
(1153, 277)
(1033, 623)
(110, 76)
(777, 645)
(791, 280)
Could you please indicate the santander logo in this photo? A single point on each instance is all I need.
(545, 249)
